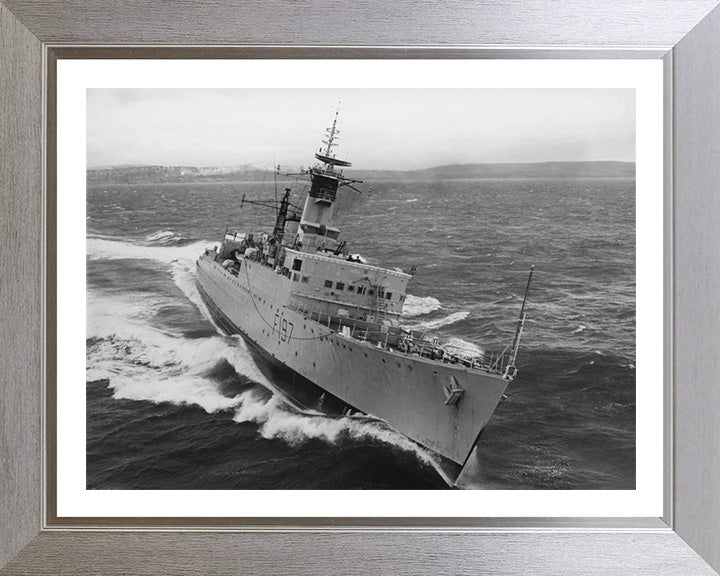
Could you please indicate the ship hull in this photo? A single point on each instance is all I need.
(301, 393)
(306, 360)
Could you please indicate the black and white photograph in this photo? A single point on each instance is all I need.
(360, 289)
(393, 288)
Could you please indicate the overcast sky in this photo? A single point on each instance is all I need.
(380, 129)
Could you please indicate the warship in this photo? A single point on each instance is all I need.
(325, 326)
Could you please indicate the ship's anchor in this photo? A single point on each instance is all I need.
(452, 391)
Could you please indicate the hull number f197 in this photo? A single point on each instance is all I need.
(282, 327)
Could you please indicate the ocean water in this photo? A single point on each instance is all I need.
(172, 403)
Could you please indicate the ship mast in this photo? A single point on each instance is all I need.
(282, 208)
(331, 134)
(282, 217)
(521, 323)
(317, 226)
(327, 157)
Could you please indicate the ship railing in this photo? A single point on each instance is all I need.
(349, 327)
(299, 307)
(323, 195)
(330, 172)
(430, 348)
(494, 362)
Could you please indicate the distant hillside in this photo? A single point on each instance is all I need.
(527, 170)
(248, 173)
(171, 174)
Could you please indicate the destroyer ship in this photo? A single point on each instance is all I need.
(325, 326)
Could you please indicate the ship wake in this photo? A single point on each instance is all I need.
(143, 360)
(278, 421)
(143, 363)
(165, 247)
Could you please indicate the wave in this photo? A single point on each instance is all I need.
(180, 259)
(579, 329)
(440, 322)
(419, 306)
(276, 421)
(183, 274)
(463, 347)
(98, 248)
(164, 236)
(177, 372)
(146, 363)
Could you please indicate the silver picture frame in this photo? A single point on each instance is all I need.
(685, 34)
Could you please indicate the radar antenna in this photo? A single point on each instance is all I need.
(326, 156)
(331, 135)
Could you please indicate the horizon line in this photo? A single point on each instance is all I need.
(131, 165)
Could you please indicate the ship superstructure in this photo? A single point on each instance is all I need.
(324, 325)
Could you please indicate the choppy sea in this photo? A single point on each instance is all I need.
(172, 403)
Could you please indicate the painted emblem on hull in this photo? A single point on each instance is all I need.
(453, 392)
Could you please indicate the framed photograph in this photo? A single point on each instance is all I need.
(399, 301)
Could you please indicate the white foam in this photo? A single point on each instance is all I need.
(463, 347)
(418, 306)
(440, 322)
(175, 371)
(179, 391)
(162, 235)
(277, 421)
(183, 274)
(180, 259)
(105, 249)
(118, 315)
(145, 362)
